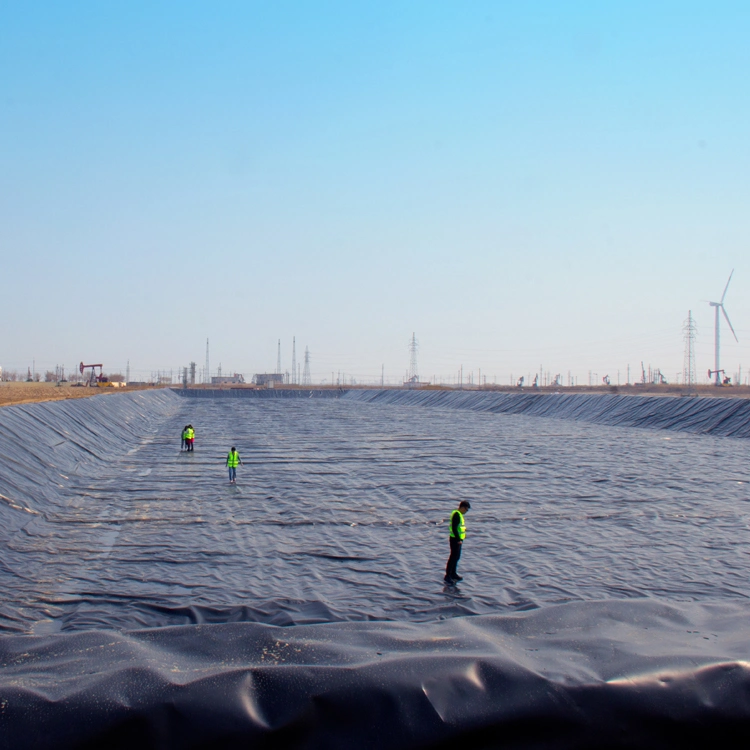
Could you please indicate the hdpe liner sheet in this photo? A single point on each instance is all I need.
(612, 674)
(606, 569)
(728, 417)
(263, 393)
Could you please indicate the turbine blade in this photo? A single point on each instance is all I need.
(726, 317)
(725, 289)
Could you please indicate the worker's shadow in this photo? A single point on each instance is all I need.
(453, 591)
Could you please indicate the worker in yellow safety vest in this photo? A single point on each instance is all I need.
(189, 437)
(457, 534)
(183, 446)
(233, 459)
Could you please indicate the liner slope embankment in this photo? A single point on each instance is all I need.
(708, 416)
(40, 442)
(724, 417)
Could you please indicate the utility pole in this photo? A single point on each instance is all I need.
(688, 368)
(278, 359)
(206, 372)
(294, 360)
(413, 376)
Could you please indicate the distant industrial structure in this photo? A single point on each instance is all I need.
(412, 377)
(207, 371)
(236, 379)
(296, 372)
(294, 360)
(295, 376)
(100, 380)
(191, 375)
(306, 379)
(268, 379)
(688, 368)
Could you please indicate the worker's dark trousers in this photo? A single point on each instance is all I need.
(450, 569)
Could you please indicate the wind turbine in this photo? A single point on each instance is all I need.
(718, 305)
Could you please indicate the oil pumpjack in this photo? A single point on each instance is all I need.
(94, 379)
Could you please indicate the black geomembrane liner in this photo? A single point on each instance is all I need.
(147, 602)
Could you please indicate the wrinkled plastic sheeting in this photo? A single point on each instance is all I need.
(44, 443)
(726, 417)
(261, 393)
(633, 673)
(606, 674)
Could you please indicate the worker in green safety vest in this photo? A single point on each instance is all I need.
(233, 459)
(189, 437)
(457, 534)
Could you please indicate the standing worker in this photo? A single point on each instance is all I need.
(233, 458)
(190, 437)
(183, 447)
(457, 534)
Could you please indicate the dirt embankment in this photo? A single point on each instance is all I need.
(27, 393)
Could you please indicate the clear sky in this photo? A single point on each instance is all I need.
(528, 184)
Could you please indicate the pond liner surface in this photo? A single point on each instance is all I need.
(725, 417)
(602, 674)
(42, 444)
(260, 393)
(632, 673)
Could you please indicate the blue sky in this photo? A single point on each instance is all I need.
(521, 184)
